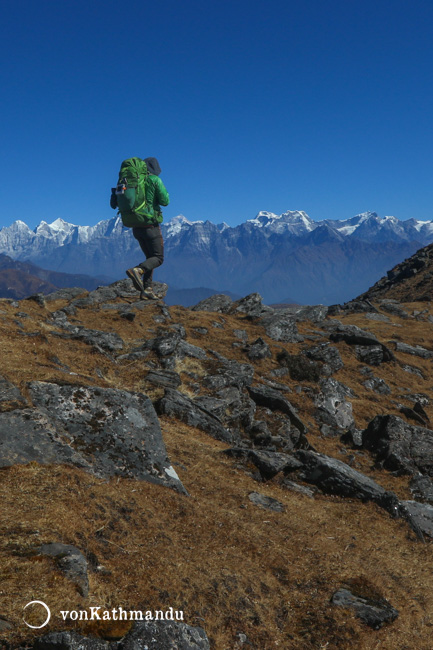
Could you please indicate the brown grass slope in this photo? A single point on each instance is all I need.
(231, 566)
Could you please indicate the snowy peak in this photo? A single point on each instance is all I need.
(177, 224)
(292, 221)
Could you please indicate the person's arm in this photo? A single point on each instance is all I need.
(161, 193)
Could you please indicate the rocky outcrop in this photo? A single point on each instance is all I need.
(409, 281)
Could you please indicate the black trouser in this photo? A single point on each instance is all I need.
(152, 245)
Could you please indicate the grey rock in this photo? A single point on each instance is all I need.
(166, 378)
(38, 298)
(5, 625)
(266, 502)
(328, 355)
(179, 328)
(400, 446)
(358, 307)
(239, 409)
(65, 294)
(333, 476)
(296, 487)
(378, 317)
(279, 372)
(241, 335)
(377, 385)
(372, 354)
(422, 514)
(417, 350)
(259, 349)
(251, 306)
(333, 409)
(134, 355)
(281, 326)
(276, 384)
(313, 313)
(10, 395)
(412, 370)
(232, 406)
(412, 414)
(145, 635)
(28, 435)
(352, 437)
(128, 315)
(230, 373)
(166, 344)
(274, 400)
(71, 561)
(394, 309)
(373, 612)
(353, 335)
(218, 303)
(177, 405)
(214, 405)
(422, 488)
(300, 368)
(421, 398)
(185, 349)
(165, 635)
(269, 463)
(72, 640)
(109, 341)
(105, 431)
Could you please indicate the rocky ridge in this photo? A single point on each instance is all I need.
(409, 281)
(225, 460)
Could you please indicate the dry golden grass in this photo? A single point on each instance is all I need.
(229, 565)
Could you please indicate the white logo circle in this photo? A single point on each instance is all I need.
(38, 602)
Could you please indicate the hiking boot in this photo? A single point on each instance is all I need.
(136, 274)
(148, 294)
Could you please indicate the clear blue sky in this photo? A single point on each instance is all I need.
(304, 105)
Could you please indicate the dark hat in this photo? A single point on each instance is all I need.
(153, 166)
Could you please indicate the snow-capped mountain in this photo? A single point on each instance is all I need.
(277, 255)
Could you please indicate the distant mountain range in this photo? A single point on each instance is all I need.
(21, 279)
(285, 258)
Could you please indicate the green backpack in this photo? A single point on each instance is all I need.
(131, 192)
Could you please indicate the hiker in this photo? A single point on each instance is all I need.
(145, 225)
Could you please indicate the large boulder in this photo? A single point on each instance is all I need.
(399, 446)
(105, 431)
